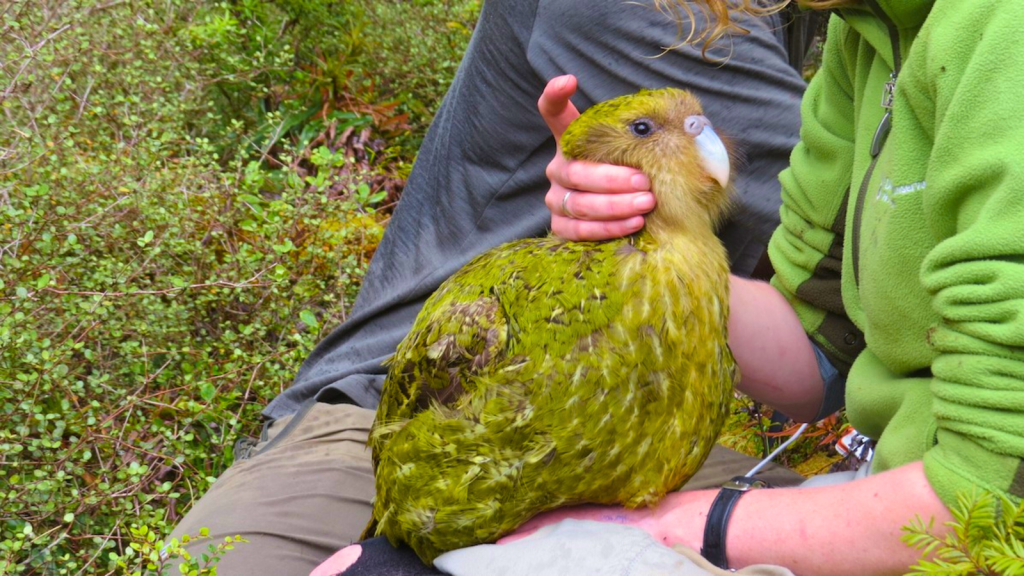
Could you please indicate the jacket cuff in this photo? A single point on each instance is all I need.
(834, 382)
(958, 466)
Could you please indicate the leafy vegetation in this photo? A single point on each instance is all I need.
(755, 429)
(189, 195)
(986, 537)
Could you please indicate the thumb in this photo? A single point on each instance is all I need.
(554, 105)
(341, 561)
(517, 535)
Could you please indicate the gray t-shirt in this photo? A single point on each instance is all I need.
(479, 179)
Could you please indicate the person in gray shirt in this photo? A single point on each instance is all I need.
(305, 489)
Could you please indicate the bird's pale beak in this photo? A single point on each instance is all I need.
(712, 150)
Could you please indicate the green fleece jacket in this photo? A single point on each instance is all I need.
(902, 249)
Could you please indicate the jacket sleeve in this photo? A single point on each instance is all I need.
(974, 208)
(807, 248)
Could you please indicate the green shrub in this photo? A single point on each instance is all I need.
(146, 554)
(189, 195)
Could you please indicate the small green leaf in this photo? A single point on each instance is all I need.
(43, 282)
(69, 517)
(308, 318)
(207, 391)
(284, 248)
(39, 190)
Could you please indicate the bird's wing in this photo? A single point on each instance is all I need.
(530, 298)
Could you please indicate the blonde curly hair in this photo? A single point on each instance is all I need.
(718, 14)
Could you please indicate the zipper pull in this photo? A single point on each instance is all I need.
(881, 133)
(889, 92)
(888, 95)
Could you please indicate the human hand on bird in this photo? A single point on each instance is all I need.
(646, 519)
(589, 201)
(677, 520)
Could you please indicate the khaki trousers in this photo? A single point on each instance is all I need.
(306, 488)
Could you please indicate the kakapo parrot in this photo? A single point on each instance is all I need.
(546, 372)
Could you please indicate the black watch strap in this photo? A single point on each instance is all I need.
(713, 548)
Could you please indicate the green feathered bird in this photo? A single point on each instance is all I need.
(546, 373)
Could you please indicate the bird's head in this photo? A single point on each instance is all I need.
(664, 134)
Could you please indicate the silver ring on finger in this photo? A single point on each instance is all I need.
(565, 206)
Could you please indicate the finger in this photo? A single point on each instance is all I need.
(554, 105)
(531, 526)
(341, 560)
(605, 207)
(585, 230)
(517, 535)
(593, 177)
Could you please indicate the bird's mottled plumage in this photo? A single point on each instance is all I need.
(546, 373)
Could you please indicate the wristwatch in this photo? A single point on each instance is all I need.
(713, 548)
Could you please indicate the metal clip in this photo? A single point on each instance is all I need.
(889, 93)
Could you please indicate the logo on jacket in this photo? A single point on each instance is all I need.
(888, 193)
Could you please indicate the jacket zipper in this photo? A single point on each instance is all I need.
(881, 133)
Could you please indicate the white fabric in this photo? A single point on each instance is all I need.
(584, 548)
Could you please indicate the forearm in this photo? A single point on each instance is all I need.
(851, 528)
(776, 360)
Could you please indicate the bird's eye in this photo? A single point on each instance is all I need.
(641, 128)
